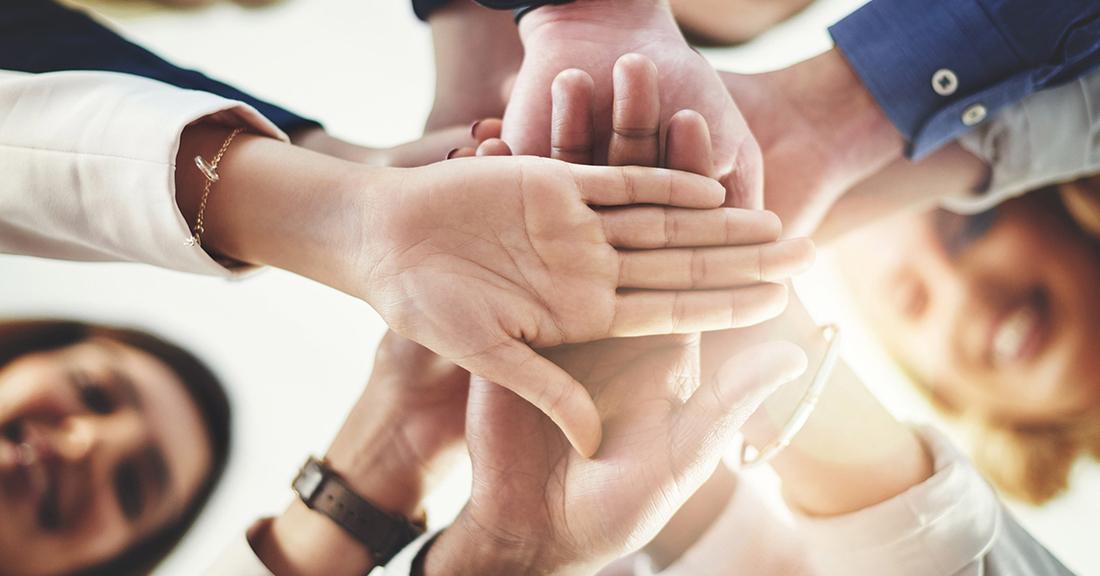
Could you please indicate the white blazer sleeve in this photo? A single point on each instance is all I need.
(88, 162)
(950, 525)
(1053, 136)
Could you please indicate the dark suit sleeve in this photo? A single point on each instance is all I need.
(42, 36)
(940, 67)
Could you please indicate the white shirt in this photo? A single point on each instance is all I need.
(88, 162)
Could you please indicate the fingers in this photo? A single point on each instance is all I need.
(635, 114)
(572, 128)
(709, 268)
(603, 186)
(565, 401)
(721, 406)
(744, 181)
(687, 143)
(648, 227)
(482, 132)
(485, 129)
(654, 312)
(493, 147)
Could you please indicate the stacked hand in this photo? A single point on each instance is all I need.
(537, 506)
(590, 36)
(566, 255)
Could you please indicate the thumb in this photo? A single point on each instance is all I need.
(720, 407)
(515, 366)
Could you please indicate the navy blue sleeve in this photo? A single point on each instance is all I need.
(939, 67)
(42, 36)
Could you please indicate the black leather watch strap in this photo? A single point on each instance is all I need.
(324, 491)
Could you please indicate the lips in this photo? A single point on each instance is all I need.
(1021, 332)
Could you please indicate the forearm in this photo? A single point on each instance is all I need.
(467, 548)
(276, 204)
(852, 453)
(950, 173)
(476, 51)
(370, 456)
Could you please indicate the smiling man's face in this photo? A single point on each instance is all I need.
(100, 446)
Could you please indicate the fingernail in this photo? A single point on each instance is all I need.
(473, 129)
(451, 154)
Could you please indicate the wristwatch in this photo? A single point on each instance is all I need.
(325, 492)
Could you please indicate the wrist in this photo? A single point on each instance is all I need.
(844, 115)
(301, 542)
(468, 548)
(378, 465)
(573, 21)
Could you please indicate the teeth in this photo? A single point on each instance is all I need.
(1012, 335)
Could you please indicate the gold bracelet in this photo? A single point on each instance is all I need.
(751, 458)
(210, 171)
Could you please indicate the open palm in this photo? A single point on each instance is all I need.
(485, 257)
(664, 435)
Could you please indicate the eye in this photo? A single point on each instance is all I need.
(95, 397)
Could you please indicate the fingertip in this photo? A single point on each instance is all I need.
(463, 152)
(570, 82)
(805, 251)
(581, 422)
(772, 222)
(634, 63)
(485, 129)
(756, 372)
(493, 147)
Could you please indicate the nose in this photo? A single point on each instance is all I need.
(82, 438)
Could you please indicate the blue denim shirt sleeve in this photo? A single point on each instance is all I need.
(43, 36)
(1000, 51)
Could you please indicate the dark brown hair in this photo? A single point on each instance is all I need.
(21, 337)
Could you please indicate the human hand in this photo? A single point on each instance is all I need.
(591, 36)
(479, 258)
(821, 132)
(536, 506)
(393, 442)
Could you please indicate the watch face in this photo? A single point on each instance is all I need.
(308, 480)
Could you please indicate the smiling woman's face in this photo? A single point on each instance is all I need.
(998, 315)
(100, 446)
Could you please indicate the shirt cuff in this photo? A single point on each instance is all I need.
(97, 154)
(938, 527)
(1051, 137)
(772, 546)
(927, 64)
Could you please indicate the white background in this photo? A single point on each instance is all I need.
(295, 353)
